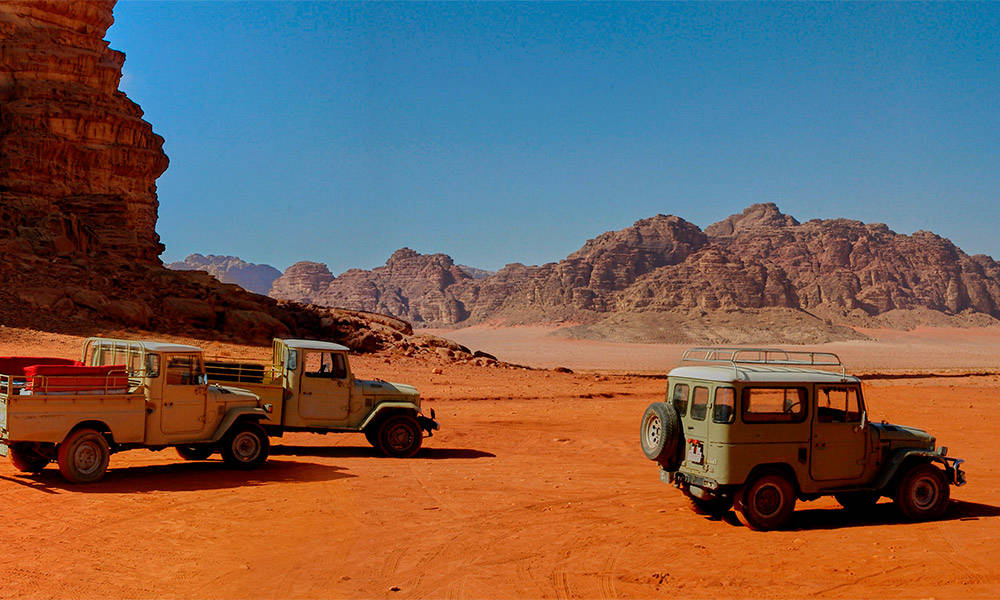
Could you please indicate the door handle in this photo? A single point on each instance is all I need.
(307, 393)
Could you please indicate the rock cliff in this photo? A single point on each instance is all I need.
(230, 269)
(756, 275)
(78, 205)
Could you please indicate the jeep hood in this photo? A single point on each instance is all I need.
(386, 388)
(901, 433)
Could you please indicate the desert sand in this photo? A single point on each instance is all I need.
(535, 487)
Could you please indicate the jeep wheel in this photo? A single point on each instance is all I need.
(83, 456)
(857, 502)
(923, 493)
(199, 452)
(715, 507)
(660, 435)
(246, 446)
(767, 502)
(400, 436)
(26, 459)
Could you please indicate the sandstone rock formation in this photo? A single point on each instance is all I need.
(230, 269)
(752, 276)
(78, 204)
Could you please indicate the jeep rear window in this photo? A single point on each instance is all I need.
(699, 404)
(680, 399)
(774, 405)
(724, 408)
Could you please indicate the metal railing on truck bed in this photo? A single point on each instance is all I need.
(239, 371)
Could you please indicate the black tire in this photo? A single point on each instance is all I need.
(246, 446)
(857, 502)
(199, 452)
(26, 459)
(371, 434)
(715, 507)
(923, 493)
(767, 502)
(660, 435)
(83, 456)
(400, 436)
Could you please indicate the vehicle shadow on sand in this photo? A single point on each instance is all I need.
(183, 477)
(883, 513)
(366, 451)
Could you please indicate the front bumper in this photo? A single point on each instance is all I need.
(428, 424)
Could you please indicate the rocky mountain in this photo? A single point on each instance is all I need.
(230, 269)
(756, 275)
(78, 204)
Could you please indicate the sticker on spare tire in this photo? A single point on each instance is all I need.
(695, 452)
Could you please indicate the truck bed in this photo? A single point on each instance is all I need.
(255, 377)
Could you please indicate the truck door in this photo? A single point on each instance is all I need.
(325, 387)
(184, 394)
(839, 442)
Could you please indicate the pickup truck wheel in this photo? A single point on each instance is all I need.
(246, 446)
(83, 456)
(400, 436)
(660, 435)
(199, 452)
(26, 459)
(767, 502)
(923, 493)
(857, 502)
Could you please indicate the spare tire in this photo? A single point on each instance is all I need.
(660, 435)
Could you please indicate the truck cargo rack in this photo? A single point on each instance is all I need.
(735, 357)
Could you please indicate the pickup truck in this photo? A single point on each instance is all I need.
(121, 395)
(312, 389)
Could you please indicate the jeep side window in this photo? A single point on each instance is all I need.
(725, 405)
(699, 404)
(774, 405)
(837, 405)
(292, 362)
(152, 366)
(681, 392)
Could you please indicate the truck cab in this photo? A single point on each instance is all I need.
(312, 389)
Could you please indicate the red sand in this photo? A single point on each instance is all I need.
(535, 488)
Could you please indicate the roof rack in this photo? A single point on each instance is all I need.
(764, 356)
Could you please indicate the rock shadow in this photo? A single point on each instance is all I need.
(182, 477)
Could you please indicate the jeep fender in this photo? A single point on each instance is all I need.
(386, 407)
(892, 467)
(236, 414)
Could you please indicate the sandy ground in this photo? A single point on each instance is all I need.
(939, 349)
(535, 488)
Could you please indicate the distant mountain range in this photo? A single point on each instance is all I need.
(755, 276)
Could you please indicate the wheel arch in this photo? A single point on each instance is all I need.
(388, 409)
(97, 425)
(783, 469)
(236, 416)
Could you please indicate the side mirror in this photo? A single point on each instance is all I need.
(863, 424)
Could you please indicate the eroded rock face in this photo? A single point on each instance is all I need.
(833, 272)
(78, 205)
(78, 163)
(230, 269)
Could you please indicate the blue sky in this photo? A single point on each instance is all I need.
(502, 133)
